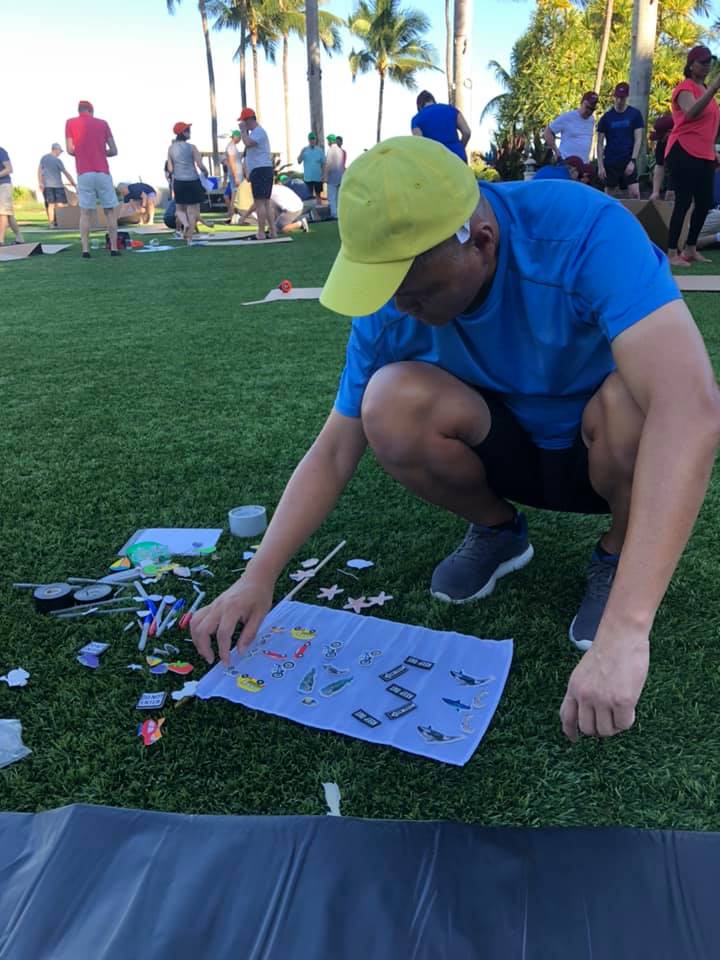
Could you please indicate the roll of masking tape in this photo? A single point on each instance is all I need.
(248, 521)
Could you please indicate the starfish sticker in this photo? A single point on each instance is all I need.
(356, 604)
(329, 593)
(381, 599)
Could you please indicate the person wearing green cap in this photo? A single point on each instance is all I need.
(312, 157)
(333, 173)
(491, 362)
(234, 175)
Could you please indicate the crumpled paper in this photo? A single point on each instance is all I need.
(11, 746)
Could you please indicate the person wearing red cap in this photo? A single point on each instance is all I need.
(259, 166)
(90, 141)
(659, 136)
(183, 163)
(620, 132)
(575, 129)
(690, 153)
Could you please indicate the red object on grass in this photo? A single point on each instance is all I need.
(285, 286)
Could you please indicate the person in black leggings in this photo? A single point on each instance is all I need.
(691, 153)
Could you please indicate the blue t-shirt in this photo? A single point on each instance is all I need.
(313, 159)
(438, 121)
(136, 190)
(553, 171)
(4, 158)
(619, 130)
(574, 269)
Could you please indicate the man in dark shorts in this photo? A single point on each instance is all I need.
(259, 165)
(491, 361)
(620, 133)
(51, 170)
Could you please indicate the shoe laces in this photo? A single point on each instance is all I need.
(475, 540)
(600, 576)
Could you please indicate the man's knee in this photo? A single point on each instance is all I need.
(395, 405)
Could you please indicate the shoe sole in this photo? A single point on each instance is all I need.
(582, 645)
(509, 566)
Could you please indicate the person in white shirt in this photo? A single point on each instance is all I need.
(288, 209)
(259, 166)
(575, 129)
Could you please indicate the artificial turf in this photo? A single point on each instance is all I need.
(139, 392)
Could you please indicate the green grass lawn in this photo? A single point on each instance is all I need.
(139, 392)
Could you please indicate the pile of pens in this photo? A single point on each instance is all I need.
(154, 613)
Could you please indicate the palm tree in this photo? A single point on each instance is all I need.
(258, 25)
(232, 16)
(314, 73)
(502, 76)
(291, 19)
(449, 51)
(462, 33)
(393, 44)
(171, 5)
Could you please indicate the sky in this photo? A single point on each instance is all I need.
(144, 70)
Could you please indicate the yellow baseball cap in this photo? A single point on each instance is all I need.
(398, 200)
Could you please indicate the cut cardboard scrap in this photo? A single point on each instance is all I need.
(12, 747)
(16, 678)
(297, 293)
(699, 283)
(358, 564)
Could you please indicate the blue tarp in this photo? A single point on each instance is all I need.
(95, 883)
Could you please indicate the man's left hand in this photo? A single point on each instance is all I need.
(630, 168)
(605, 686)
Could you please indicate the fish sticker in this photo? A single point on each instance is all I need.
(335, 671)
(150, 731)
(467, 681)
(336, 686)
(307, 684)
(456, 704)
(431, 735)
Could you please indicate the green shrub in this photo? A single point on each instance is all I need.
(23, 195)
(484, 172)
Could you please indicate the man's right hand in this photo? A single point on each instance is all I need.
(246, 602)
(601, 172)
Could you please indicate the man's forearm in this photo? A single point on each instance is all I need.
(312, 492)
(672, 471)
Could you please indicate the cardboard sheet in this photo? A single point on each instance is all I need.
(297, 293)
(423, 691)
(239, 243)
(21, 251)
(698, 283)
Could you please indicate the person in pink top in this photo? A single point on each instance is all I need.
(690, 153)
(90, 141)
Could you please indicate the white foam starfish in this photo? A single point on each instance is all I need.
(381, 599)
(356, 604)
(329, 593)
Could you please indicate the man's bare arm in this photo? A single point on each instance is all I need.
(664, 364)
(464, 129)
(549, 138)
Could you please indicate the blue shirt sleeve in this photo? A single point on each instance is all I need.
(602, 125)
(619, 294)
(367, 351)
(4, 157)
(638, 122)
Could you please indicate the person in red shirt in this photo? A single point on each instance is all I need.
(90, 141)
(690, 153)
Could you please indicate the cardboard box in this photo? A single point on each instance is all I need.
(68, 218)
(655, 216)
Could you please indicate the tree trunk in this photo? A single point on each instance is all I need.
(644, 30)
(461, 74)
(380, 105)
(286, 94)
(243, 65)
(211, 81)
(314, 70)
(256, 71)
(449, 52)
(604, 44)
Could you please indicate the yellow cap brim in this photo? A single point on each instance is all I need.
(358, 289)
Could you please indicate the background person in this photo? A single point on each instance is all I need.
(620, 132)
(234, 175)
(51, 170)
(287, 209)
(710, 233)
(90, 141)
(259, 166)
(333, 173)
(7, 211)
(183, 163)
(143, 198)
(571, 168)
(659, 135)
(441, 122)
(575, 129)
(312, 157)
(690, 153)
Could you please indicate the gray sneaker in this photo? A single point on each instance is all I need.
(600, 576)
(485, 555)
